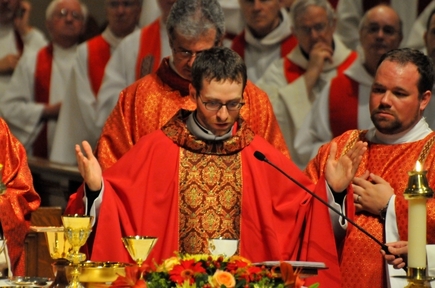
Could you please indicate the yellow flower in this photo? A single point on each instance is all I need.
(186, 284)
(222, 278)
(168, 264)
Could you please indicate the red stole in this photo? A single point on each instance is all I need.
(292, 71)
(19, 42)
(172, 79)
(98, 56)
(343, 104)
(149, 49)
(368, 4)
(42, 94)
(239, 44)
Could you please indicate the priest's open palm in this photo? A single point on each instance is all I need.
(88, 166)
(340, 172)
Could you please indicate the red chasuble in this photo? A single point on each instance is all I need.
(343, 104)
(361, 263)
(44, 62)
(292, 71)
(98, 56)
(278, 220)
(149, 50)
(287, 44)
(149, 103)
(19, 200)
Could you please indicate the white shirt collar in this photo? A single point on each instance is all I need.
(418, 132)
(278, 34)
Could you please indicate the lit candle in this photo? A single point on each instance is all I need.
(417, 229)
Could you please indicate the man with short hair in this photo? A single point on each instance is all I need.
(197, 178)
(145, 106)
(343, 103)
(266, 37)
(399, 95)
(16, 35)
(32, 101)
(77, 116)
(294, 82)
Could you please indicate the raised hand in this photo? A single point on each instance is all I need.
(89, 167)
(340, 172)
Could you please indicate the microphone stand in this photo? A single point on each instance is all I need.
(260, 156)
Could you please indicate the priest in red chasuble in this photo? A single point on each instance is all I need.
(197, 178)
(18, 200)
(399, 95)
(147, 104)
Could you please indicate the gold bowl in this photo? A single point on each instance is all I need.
(98, 272)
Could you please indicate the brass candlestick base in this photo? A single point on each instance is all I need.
(417, 278)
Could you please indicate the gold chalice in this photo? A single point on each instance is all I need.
(139, 247)
(77, 230)
(59, 248)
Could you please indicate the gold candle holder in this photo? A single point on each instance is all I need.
(417, 193)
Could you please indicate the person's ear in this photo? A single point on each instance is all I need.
(425, 98)
(192, 92)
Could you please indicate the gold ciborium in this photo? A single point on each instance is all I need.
(139, 247)
(77, 230)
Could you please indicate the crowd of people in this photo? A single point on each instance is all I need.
(163, 121)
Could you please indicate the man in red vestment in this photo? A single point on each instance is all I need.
(399, 95)
(18, 200)
(147, 104)
(197, 179)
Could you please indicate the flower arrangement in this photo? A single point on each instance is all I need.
(206, 271)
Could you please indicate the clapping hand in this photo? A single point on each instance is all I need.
(340, 172)
(89, 167)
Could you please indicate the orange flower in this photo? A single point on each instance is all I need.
(186, 270)
(290, 277)
(223, 278)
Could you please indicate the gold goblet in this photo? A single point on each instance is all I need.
(77, 230)
(59, 248)
(139, 247)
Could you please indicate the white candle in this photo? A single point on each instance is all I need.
(417, 233)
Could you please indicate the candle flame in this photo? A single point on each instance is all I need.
(418, 167)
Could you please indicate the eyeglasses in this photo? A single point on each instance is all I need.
(126, 4)
(216, 105)
(63, 13)
(387, 30)
(185, 54)
(319, 28)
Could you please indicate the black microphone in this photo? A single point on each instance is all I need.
(260, 156)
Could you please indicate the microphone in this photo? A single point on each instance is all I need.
(260, 156)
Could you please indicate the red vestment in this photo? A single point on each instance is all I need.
(149, 49)
(343, 104)
(150, 102)
(98, 56)
(19, 200)
(361, 263)
(293, 71)
(44, 63)
(278, 220)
